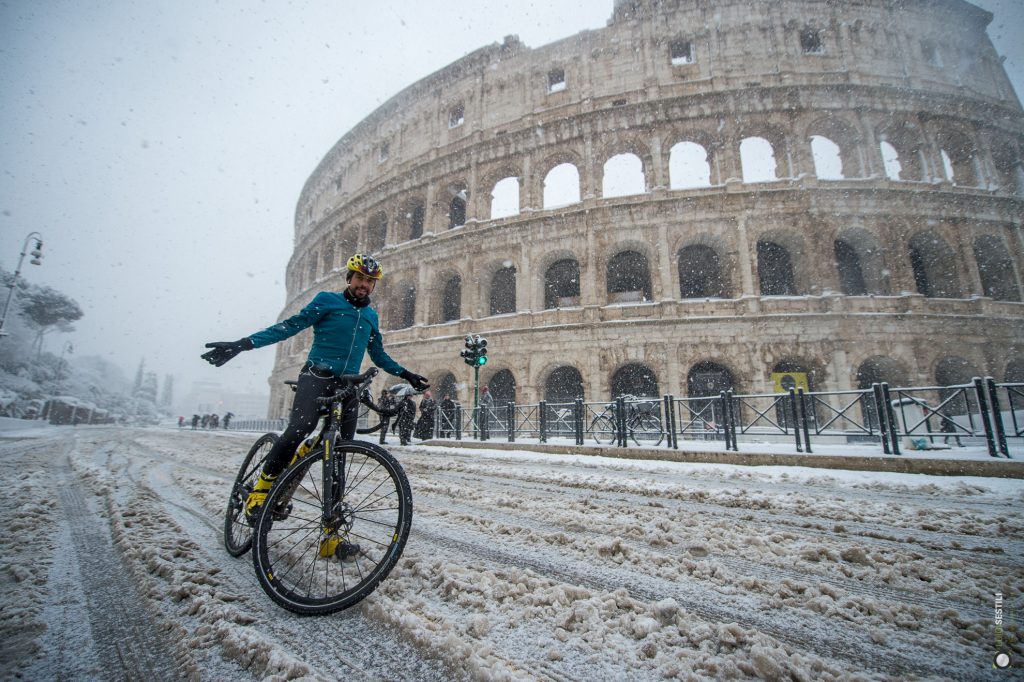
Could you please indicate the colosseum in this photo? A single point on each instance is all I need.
(703, 194)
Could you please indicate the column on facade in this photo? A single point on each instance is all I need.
(663, 286)
(744, 256)
(659, 173)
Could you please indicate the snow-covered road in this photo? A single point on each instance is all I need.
(519, 566)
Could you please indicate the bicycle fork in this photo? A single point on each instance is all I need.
(334, 522)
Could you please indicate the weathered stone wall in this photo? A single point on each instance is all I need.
(876, 72)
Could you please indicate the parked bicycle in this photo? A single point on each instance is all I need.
(643, 422)
(326, 535)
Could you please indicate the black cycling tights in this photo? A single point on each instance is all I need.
(305, 414)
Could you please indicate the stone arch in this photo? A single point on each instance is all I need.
(752, 159)
(447, 385)
(780, 255)
(934, 265)
(905, 159)
(959, 154)
(689, 165)
(995, 266)
(558, 185)
(954, 370)
(562, 283)
(708, 378)
(504, 190)
(636, 379)
(563, 384)
(409, 222)
(702, 139)
(877, 369)
(446, 302)
(501, 293)
(376, 232)
(1009, 169)
(628, 276)
(848, 141)
(625, 167)
(702, 272)
(400, 310)
(453, 202)
(860, 263)
(502, 385)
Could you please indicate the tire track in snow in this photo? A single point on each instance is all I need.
(124, 634)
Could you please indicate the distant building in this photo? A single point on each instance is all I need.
(208, 397)
(702, 195)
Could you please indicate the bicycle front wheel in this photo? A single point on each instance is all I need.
(311, 570)
(647, 431)
(603, 429)
(237, 531)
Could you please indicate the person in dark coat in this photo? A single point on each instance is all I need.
(387, 403)
(406, 418)
(447, 416)
(428, 411)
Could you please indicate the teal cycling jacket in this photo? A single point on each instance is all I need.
(342, 334)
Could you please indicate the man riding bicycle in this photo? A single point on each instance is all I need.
(345, 327)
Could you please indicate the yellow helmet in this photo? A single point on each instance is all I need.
(367, 265)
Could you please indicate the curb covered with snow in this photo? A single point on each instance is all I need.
(947, 464)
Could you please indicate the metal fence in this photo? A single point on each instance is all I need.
(981, 412)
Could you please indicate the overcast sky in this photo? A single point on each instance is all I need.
(160, 146)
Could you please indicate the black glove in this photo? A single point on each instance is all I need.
(417, 382)
(225, 350)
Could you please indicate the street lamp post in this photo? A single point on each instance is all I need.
(37, 255)
(66, 348)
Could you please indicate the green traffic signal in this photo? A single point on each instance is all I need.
(482, 360)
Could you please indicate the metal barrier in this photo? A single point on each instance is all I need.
(894, 419)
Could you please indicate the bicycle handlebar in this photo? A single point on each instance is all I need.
(350, 381)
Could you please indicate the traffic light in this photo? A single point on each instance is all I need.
(475, 353)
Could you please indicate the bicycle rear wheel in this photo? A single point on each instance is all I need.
(237, 531)
(289, 538)
(647, 431)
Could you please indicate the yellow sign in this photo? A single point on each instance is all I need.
(786, 380)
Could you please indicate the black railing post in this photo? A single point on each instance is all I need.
(733, 417)
(543, 421)
(880, 415)
(670, 420)
(577, 419)
(796, 419)
(997, 416)
(458, 422)
(510, 419)
(990, 440)
(723, 399)
(890, 417)
(620, 421)
(802, 399)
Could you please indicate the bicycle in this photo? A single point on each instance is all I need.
(326, 536)
(642, 423)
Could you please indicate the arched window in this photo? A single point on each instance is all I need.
(958, 158)
(328, 258)
(562, 284)
(562, 186)
(708, 379)
(505, 198)
(623, 176)
(851, 275)
(828, 161)
(451, 299)
(934, 266)
(407, 306)
(757, 159)
(954, 371)
(902, 153)
(700, 273)
(876, 370)
(447, 386)
(376, 232)
(564, 385)
(503, 291)
(629, 280)
(998, 279)
(635, 379)
(414, 216)
(457, 210)
(688, 166)
(503, 388)
(774, 270)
